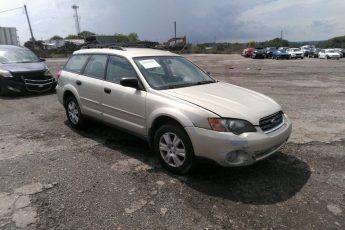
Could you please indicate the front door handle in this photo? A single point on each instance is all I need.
(107, 90)
(78, 82)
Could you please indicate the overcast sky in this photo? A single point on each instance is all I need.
(199, 20)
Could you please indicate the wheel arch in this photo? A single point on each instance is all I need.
(70, 91)
(157, 119)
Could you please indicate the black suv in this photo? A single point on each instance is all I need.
(259, 53)
(21, 71)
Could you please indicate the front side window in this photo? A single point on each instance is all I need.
(95, 68)
(76, 63)
(165, 72)
(118, 68)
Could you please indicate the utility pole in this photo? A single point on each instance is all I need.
(175, 31)
(281, 35)
(77, 24)
(32, 35)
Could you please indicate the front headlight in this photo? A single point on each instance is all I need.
(235, 126)
(5, 73)
(47, 73)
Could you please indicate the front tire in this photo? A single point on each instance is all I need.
(174, 148)
(73, 113)
(2, 91)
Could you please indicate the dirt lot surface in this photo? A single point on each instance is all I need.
(54, 177)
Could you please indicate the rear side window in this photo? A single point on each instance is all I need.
(76, 63)
(118, 68)
(95, 68)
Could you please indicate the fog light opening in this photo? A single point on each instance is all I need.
(237, 157)
(13, 89)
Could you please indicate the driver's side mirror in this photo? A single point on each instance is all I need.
(130, 82)
(42, 59)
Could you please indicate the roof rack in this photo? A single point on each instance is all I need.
(119, 46)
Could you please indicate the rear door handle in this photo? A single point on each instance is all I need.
(107, 90)
(78, 82)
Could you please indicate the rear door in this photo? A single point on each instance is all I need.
(89, 84)
(123, 106)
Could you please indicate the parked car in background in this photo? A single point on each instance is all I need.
(248, 52)
(306, 51)
(295, 53)
(329, 54)
(314, 53)
(259, 53)
(21, 71)
(340, 51)
(269, 51)
(280, 54)
(181, 111)
(283, 48)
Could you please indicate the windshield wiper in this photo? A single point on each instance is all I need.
(181, 85)
(178, 85)
(187, 84)
(204, 82)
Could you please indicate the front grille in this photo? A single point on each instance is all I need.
(38, 85)
(35, 81)
(271, 121)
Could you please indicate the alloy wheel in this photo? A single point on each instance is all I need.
(73, 112)
(172, 149)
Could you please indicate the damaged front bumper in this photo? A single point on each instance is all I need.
(228, 149)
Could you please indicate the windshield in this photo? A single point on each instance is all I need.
(17, 56)
(165, 72)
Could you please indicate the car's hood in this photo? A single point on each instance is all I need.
(228, 101)
(24, 67)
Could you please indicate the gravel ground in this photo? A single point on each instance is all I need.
(54, 177)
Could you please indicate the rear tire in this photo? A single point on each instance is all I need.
(73, 113)
(174, 148)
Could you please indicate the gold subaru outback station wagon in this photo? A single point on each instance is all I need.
(177, 107)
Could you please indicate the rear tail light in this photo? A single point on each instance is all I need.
(58, 75)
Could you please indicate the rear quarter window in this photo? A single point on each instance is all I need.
(76, 63)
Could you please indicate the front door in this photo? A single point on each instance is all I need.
(123, 106)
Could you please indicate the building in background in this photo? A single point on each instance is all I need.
(8, 36)
(53, 44)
